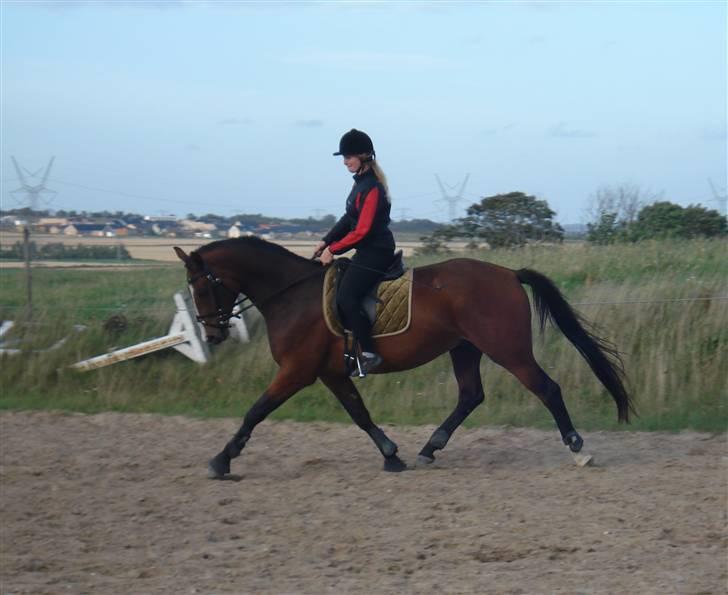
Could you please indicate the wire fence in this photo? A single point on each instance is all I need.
(162, 309)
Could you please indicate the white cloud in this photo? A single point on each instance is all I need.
(310, 123)
(562, 130)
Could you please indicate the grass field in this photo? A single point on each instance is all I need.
(642, 297)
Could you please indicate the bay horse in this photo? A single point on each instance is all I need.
(463, 306)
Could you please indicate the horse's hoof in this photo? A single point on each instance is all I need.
(217, 469)
(212, 474)
(394, 464)
(574, 441)
(582, 460)
(423, 461)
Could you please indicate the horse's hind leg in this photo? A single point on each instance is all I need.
(539, 383)
(466, 363)
(345, 391)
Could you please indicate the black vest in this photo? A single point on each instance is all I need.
(379, 236)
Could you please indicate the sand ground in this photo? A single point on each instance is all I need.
(120, 503)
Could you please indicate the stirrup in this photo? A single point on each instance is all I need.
(357, 368)
(364, 365)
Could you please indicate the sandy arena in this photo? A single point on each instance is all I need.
(119, 503)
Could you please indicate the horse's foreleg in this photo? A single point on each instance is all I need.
(281, 389)
(466, 364)
(345, 391)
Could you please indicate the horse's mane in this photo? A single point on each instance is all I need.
(257, 244)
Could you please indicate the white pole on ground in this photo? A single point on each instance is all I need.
(6, 326)
(184, 335)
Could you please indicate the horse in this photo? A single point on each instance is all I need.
(463, 306)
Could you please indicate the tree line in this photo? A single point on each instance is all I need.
(619, 214)
(59, 251)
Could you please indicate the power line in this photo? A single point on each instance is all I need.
(155, 198)
(627, 302)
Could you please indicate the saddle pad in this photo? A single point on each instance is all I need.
(393, 314)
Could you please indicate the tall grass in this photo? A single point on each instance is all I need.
(639, 296)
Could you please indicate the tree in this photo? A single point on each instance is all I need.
(701, 222)
(511, 219)
(436, 242)
(613, 210)
(665, 219)
(607, 230)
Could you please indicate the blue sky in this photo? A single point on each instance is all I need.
(233, 107)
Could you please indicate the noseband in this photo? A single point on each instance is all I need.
(222, 319)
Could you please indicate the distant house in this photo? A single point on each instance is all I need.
(51, 224)
(161, 219)
(238, 230)
(198, 227)
(10, 222)
(99, 230)
(161, 228)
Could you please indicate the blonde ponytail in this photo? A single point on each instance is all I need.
(366, 158)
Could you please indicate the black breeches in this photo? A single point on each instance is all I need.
(361, 275)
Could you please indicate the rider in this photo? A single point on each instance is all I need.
(364, 226)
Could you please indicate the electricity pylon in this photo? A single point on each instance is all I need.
(452, 200)
(720, 197)
(32, 192)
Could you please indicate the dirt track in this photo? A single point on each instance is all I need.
(118, 503)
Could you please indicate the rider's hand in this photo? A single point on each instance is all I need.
(326, 257)
(319, 249)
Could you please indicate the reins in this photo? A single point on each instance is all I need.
(224, 319)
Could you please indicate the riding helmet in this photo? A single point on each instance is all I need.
(356, 142)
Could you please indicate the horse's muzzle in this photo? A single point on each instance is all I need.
(216, 339)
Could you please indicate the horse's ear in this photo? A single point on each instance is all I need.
(181, 254)
(196, 258)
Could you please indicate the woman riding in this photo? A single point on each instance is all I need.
(364, 226)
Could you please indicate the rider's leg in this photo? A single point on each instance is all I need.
(366, 268)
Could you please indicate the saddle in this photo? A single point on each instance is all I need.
(388, 305)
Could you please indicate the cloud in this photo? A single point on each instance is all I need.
(309, 123)
(561, 130)
(714, 132)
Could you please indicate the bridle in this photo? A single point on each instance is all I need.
(222, 319)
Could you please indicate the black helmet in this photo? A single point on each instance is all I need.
(356, 142)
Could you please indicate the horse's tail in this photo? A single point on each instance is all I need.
(601, 355)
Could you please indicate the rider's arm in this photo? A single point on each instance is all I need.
(364, 225)
(338, 231)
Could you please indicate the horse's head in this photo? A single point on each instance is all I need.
(213, 295)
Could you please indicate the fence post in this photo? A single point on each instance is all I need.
(28, 277)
